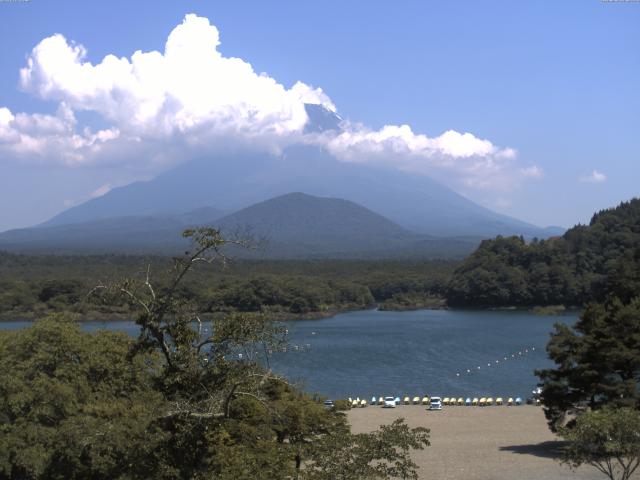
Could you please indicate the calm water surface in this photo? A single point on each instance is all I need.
(368, 353)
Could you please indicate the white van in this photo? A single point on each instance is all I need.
(435, 403)
(389, 402)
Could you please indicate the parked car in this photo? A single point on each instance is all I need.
(435, 403)
(389, 402)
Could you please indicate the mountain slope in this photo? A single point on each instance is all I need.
(235, 180)
(130, 235)
(294, 225)
(300, 225)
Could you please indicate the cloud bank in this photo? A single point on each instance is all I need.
(159, 106)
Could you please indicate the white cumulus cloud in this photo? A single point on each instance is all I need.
(162, 106)
(188, 86)
(475, 162)
(594, 177)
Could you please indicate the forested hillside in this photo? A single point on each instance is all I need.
(579, 267)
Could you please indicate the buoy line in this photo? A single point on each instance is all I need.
(497, 362)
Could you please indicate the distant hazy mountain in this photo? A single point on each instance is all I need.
(236, 180)
(294, 225)
(130, 235)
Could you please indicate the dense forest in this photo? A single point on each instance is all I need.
(34, 285)
(581, 266)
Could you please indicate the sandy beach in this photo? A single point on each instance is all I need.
(472, 443)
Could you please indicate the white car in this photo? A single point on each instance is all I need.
(435, 403)
(389, 402)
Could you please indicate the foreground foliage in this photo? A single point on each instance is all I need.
(177, 403)
(608, 440)
(597, 362)
(73, 406)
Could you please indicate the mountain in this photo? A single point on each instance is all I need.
(297, 225)
(233, 180)
(294, 225)
(128, 234)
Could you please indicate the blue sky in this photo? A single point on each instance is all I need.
(555, 81)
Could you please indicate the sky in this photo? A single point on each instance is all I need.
(529, 108)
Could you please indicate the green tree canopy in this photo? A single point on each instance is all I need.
(586, 264)
(73, 406)
(597, 362)
(607, 439)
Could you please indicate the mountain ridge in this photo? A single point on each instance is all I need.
(296, 225)
(236, 180)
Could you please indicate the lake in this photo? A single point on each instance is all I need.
(434, 352)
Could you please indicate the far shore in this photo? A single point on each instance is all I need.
(289, 316)
(474, 443)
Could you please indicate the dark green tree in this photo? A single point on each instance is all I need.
(586, 264)
(72, 406)
(597, 362)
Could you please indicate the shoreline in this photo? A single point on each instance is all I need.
(292, 317)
